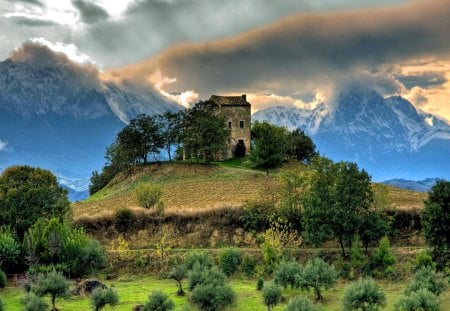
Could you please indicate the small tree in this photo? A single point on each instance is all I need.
(301, 303)
(200, 258)
(424, 259)
(34, 303)
(288, 273)
(300, 146)
(422, 300)
(178, 273)
(271, 294)
(426, 278)
(229, 260)
(212, 297)
(147, 195)
(159, 301)
(101, 297)
(364, 295)
(317, 274)
(53, 284)
(9, 249)
(248, 266)
(383, 260)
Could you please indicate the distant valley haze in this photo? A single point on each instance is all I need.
(367, 80)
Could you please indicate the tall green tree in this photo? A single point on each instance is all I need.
(27, 194)
(171, 127)
(436, 220)
(300, 147)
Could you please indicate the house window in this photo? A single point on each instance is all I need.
(241, 124)
(229, 124)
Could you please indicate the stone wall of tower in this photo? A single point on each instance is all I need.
(236, 114)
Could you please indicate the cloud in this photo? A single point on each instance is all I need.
(305, 51)
(31, 21)
(424, 80)
(3, 145)
(35, 2)
(90, 12)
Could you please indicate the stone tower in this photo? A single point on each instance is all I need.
(237, 113)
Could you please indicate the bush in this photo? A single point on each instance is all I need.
(317, 274)
(256, 217)
(364, 295)
(53, 284)
(301, 303)
(34, 303)
(101, 297)
(248, 266)
(9, 249)
(147, 195)
(288, 273)
(199, 276)
(198, 258)
(383, 261)
(211, 297)
(229, 260)
(2, 306)
(2, 279)
(260, 284)
(426, 278)
(424, 259)
(271, 293)
(178, 273)
(422, 300)
(159, 301)
(123, 219)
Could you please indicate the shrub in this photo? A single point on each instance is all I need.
(211, 297)
(364, 295)
(256, 216)
(260, 284)
(426, 278)
(229, 260)
(178, 273)
(34, 303)
(317, 274)
(147, 195)
(101, 297)
(9, 249)
(123, 219)
(199, 276)
(2, 279)
(158, 301)
(53, 284)
(422, 300)
(424, 259)
(271, 293)
(248, 266)
(301, 303)
(2, 306)
(383, 260)
(288, 273)
(198, 258)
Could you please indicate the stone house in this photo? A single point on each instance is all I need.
(237, 113)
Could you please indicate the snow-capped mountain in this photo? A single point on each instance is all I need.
(386, 136)
(61, 116)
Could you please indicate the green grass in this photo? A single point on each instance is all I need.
(137, 290)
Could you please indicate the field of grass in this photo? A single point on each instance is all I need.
(136, 290)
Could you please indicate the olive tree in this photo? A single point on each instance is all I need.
(101, 297)
(53, 284)
(364, 295)
(271, 293)
(318, 275)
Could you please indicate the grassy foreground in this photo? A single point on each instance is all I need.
(136, 290)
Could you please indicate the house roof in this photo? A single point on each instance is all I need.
(230, 100)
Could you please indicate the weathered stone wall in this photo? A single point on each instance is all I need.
(236, 114)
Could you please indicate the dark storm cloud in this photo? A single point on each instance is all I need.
(33, 22)
(90, 12)
(319, 47)
(425, 80)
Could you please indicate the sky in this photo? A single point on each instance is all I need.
(290, 52)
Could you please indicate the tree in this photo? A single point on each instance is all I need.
(211, 297)
(147, 194)
(9, 249)
(27, 194)
(435, 220)
(301, 303)
(317, 274)
(288, 273)
(422, 300)
(300, 146)
(271, 293)
(205, 133)
(427, 278)
(178, 273)
(159, 301)
(229, 260)
(364, 295)
(171, 127)
(100, 297)
(53, 284)
(34, 303)
(2, 279)
(269, 145)
(383, 260)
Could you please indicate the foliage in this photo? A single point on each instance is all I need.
(358, 261)
(317, 274)
(248, 265)
(383, 260)
(269, 145)
(147, 195)
(422, 300)
(27, 194)
(171, 126)
(53, 284)
(198, 258)
(123, 219)
(424, 259)
(301, 303)
(211, 297)
(159, 301)
(288, 274)
(290, 207)
(271, 250)
(199, 276)
(2, 279)
(9, 249)
(257, 214)
(364, 295)
(34, 303)
(2, 306)
(435, 220)
(259, 283)
(300, 147)
(205, 133)
(178, 273)
(372, 228)
(337, 197)
(100, 297)
(427, 278)
(229, 260)
(271, 294)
